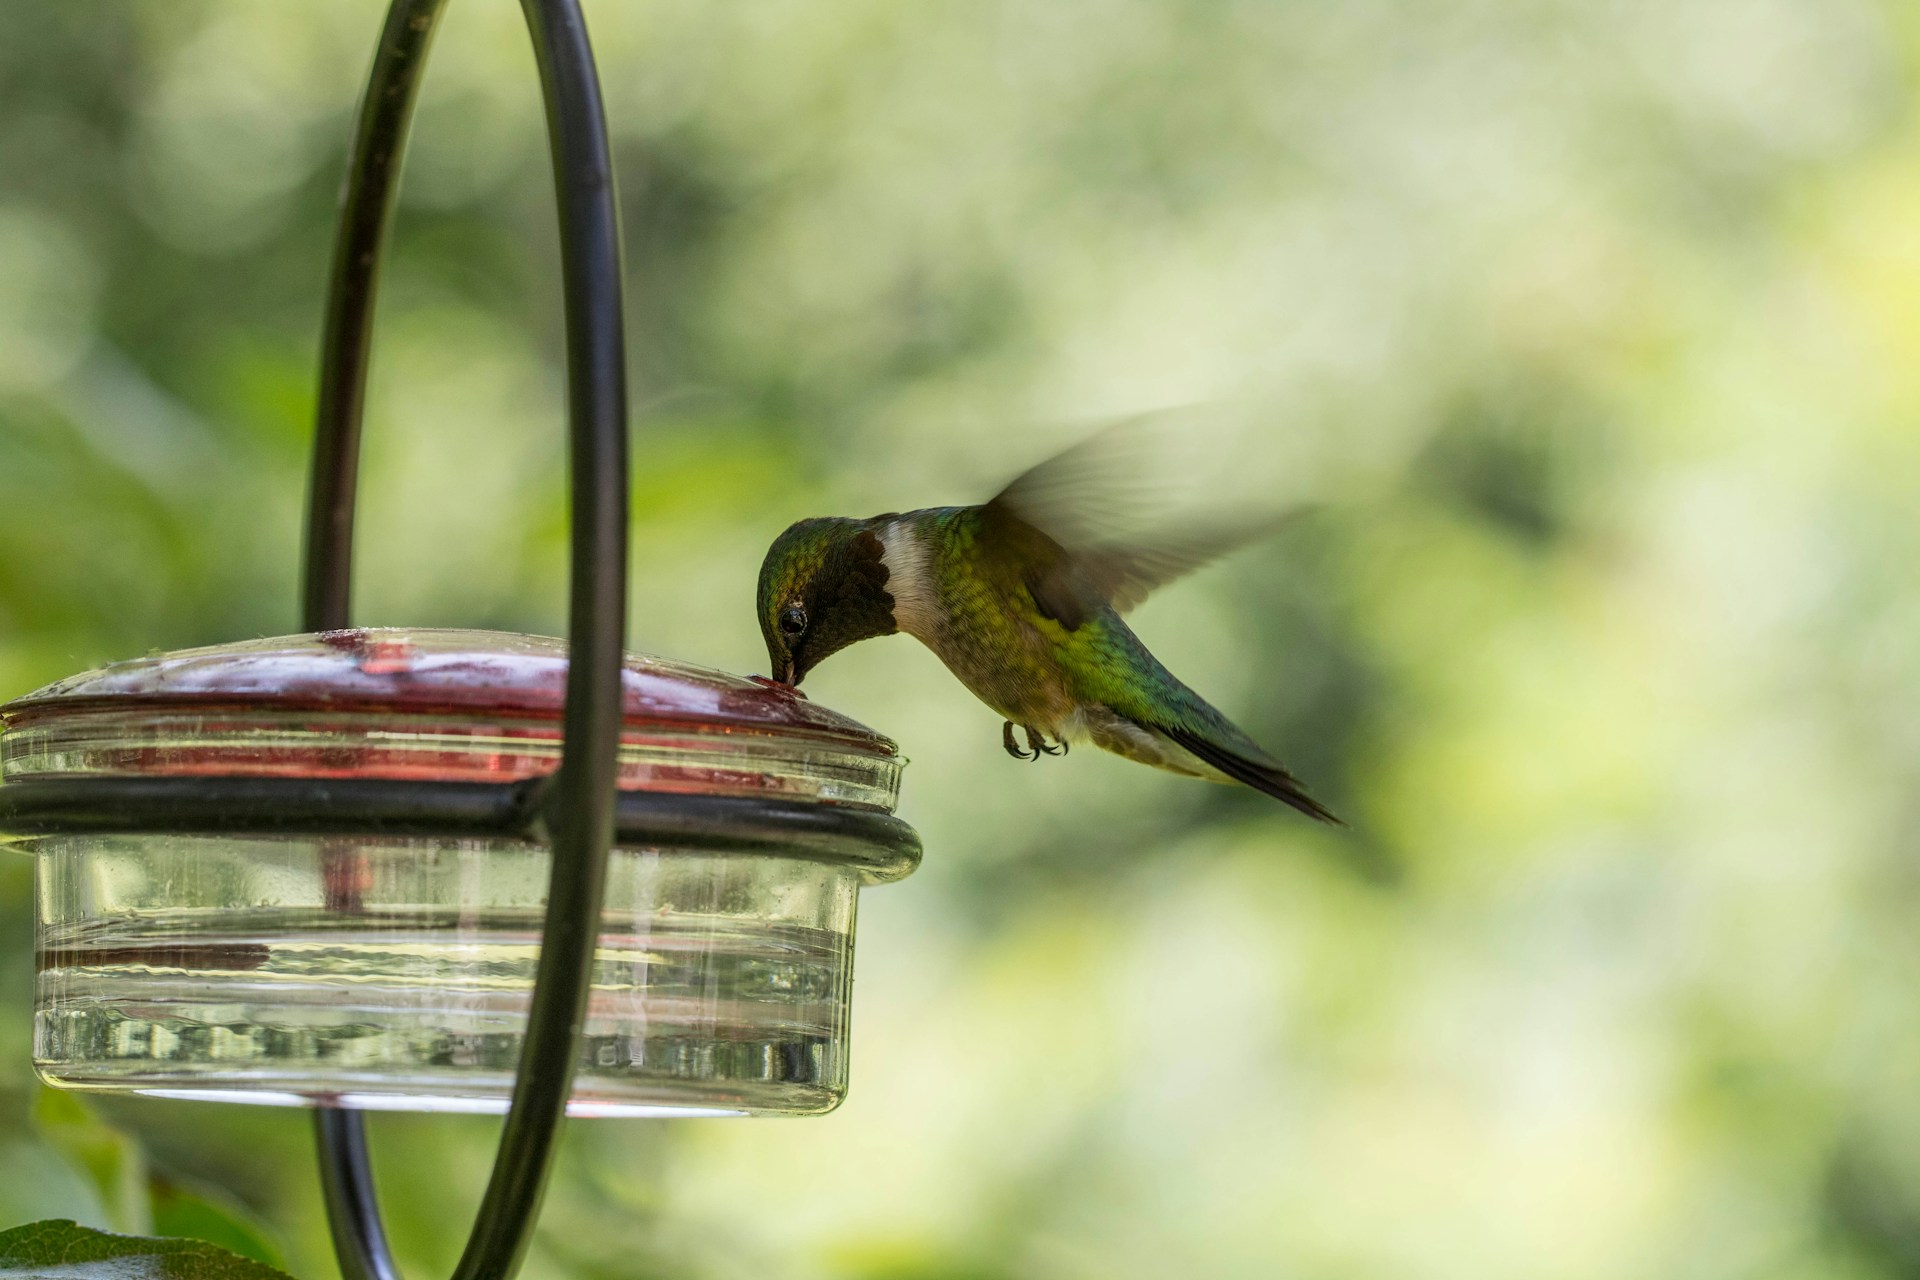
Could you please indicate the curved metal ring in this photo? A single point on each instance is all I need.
(878, 845)
(582, 808)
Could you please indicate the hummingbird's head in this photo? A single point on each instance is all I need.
(823, 586)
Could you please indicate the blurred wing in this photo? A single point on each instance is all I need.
(1127, 573)
(1096, 504)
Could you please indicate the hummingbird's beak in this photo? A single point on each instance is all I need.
(787, 675)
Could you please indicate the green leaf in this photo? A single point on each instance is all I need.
(62, 1250)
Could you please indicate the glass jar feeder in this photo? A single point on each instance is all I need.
(393, 971)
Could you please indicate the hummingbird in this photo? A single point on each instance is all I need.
(1023, 597)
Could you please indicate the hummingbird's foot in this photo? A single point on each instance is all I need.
(1006, 740)
(1037, 743)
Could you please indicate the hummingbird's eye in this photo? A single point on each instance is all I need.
(793, 620)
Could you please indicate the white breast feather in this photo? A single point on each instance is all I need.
(915, 610)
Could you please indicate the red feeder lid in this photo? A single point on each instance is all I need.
(444, 704)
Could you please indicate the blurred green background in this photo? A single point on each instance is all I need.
(1594, 331)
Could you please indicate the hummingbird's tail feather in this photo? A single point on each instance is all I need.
(1261, 775)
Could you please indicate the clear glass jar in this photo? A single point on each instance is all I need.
(394, 972)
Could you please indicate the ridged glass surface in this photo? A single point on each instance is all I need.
(143, 740)
(398, 973)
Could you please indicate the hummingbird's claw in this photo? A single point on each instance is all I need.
(1037, 743)
(1006, 740)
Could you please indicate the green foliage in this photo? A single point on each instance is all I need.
(112, 1161)
(1591, 331)
(59, 1250)
(69, 1163)
(37, 1183)
(209, 1214)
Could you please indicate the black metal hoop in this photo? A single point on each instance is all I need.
(579, 808)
